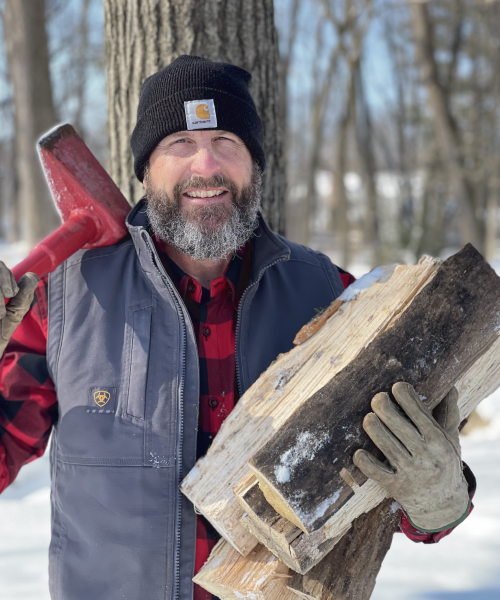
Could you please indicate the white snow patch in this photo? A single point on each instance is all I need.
(282, 474)
(422, 397)
(306, 446)
(421, 363)
(394, 507)
(321, 509)
(362, 284)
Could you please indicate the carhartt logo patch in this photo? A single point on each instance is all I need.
(200, 114)
(102, 400)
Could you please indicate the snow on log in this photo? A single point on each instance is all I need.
(305, 470)
(366, 308)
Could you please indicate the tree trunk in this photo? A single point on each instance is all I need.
(141, 37)
(364, 139)
(321, 95)
(341, 200)
(27, 52)
(446, 133)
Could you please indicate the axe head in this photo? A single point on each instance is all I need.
(79, 183)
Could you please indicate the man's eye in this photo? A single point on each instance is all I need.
(179, 141)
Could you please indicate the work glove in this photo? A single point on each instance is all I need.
(21, 295)
(425, 471)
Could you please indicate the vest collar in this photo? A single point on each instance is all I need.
(268, 247)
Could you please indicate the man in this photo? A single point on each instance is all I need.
(143, 348)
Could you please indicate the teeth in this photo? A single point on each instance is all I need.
(203, 194)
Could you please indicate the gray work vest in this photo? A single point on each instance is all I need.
(122, 354)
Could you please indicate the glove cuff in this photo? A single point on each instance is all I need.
(450, 526)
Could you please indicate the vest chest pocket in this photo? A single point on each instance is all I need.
(137, 361)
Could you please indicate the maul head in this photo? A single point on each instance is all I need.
(79, 183)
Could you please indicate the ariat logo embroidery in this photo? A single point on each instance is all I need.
(101, 400)
(101, 397)
(200, 114)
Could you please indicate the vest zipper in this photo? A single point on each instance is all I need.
(178, 515)
(238, 320)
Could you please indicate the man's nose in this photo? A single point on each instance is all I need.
(205, 163)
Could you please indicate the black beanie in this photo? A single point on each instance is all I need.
(195, 93)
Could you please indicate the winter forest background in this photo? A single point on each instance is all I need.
(384, 130)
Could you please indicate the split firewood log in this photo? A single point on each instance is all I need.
(308, 554)
(323, 581)
(348, 572)
(301, 551)
(367, 308)
(305, 470)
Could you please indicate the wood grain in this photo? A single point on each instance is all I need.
(259, 576)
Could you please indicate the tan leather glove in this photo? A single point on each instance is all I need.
(425, 472)
(22, 296)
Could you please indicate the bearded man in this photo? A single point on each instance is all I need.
(135, 354)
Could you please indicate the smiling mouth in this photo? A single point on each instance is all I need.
(205, 193)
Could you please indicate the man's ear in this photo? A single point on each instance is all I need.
(145, 176)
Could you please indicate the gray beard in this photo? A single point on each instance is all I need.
(205, 232)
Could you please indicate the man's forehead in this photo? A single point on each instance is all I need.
(198, 134)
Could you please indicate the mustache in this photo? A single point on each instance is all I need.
(202, 182)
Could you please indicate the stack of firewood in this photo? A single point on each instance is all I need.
(297, 518)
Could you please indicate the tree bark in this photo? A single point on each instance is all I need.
(364, 139)
(142, 36)
(27, 53)
(446, 133)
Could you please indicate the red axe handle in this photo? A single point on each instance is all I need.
(92, 208)
(46, 256)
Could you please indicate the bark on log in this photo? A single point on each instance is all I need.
(349, 571)
(374, 302)
(303, 470)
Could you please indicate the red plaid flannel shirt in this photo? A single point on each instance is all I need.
(28, 402)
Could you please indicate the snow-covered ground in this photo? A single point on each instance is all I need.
(464, 566)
